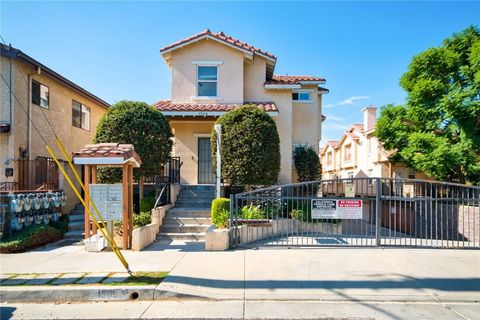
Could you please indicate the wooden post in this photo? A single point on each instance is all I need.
(87, 184)
(125, 205)
(130, 205)
(94, 180)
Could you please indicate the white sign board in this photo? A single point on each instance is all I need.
(109, 200)
(337, 209)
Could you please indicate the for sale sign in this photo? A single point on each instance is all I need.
(337, 209)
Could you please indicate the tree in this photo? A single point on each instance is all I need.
(307, 164)
(250, 147)
(437, 131)
(141, 125)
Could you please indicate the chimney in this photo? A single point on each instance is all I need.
(369, 118)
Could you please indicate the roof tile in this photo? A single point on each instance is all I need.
(167, 105)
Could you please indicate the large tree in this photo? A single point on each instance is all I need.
(141, 125)
(437, 131)
(250, 147)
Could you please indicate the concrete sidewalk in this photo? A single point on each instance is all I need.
(327, 274)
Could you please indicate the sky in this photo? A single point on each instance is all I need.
(361, 48)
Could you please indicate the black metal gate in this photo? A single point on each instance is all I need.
(205, 167)
(358, 212)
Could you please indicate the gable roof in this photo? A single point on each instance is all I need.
(209, 109)
(221, 37)
(16, 54)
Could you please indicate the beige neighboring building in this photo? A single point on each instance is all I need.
(213, 73)
(358, 153)
(73, 112)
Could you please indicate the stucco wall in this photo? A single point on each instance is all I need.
(186, 146)
(59, 114)
(184, 72)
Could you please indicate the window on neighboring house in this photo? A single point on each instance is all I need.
(329, 158)
(301, 96)
(411, 173)
(40, 94)
(369, 147)
(350, 177)
(80, 115)
(347, 152)
(207, 81)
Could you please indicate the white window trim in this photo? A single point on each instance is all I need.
(207, 63)
(197, 97)
(303, 91)
(202, 135)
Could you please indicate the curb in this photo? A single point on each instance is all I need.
(73, 293)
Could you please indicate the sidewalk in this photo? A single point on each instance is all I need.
(327, 274)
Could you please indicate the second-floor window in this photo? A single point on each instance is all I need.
(329, 159)
(347, 152)
(301, 96)
(80, 115)
(40, 94)
(207, 81)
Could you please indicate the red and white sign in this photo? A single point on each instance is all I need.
(337, 209)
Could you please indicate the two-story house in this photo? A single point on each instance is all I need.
(29, 89)
(358, 153)
(213, 73)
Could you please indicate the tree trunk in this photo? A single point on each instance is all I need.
(140, 187)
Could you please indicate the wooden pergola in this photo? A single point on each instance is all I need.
(93, 156)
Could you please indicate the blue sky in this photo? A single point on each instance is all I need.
(361, 48)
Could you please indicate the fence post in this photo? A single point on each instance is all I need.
(378, 212)
(230, 222)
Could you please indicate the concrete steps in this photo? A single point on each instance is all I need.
(76, 220)
(190, 218)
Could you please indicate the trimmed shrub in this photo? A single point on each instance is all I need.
(220, 212)
(30, 237)
(142, 219)
(250, 147)
(147, 203)
(307, 164)
(252, 212)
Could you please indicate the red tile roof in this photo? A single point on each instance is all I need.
(284, 79)
(223, 38)
(358, 126)
(167, 105)
(108, 150)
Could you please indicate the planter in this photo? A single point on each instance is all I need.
(217, 239)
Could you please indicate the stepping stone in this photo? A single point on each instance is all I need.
(116, 277)
(42, 279)
(91, 278)
(19, 279)
(67, 278)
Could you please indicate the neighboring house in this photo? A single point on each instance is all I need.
(72, 111)
(358, 153)
(213, 73)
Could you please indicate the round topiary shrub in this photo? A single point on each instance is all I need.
(307, 164)
(250, 147)
(220, 212)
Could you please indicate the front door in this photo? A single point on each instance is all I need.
(205, 168)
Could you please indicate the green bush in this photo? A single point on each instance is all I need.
(307, 164)
(250, 147)
(31, 237)
(252, 212)
(147, 203)
(217, 214)
(142, 219)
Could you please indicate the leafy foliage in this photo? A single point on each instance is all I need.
(307, 164)
(146, 204)
(252, 212)
(250, 147)
(220, 212)
(142, 219)
(438, 130)
(141, 125)
(31, 237)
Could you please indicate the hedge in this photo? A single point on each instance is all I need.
(32, 237)
(147, 204)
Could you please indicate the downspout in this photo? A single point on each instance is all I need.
(11, 97)
(29, 126)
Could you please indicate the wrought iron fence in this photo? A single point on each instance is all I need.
(358, 212)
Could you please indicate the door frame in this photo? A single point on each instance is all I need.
(202, 136)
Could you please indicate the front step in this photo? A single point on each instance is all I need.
(186, 228)
(74, 235)
(76, 225)
(181, 236)
(188, 213)
(180, 221)
(76, 217)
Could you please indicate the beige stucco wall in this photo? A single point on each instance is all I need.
(186, 146)
(59, 114)
(184, 72)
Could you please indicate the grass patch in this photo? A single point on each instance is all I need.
(142, 279)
